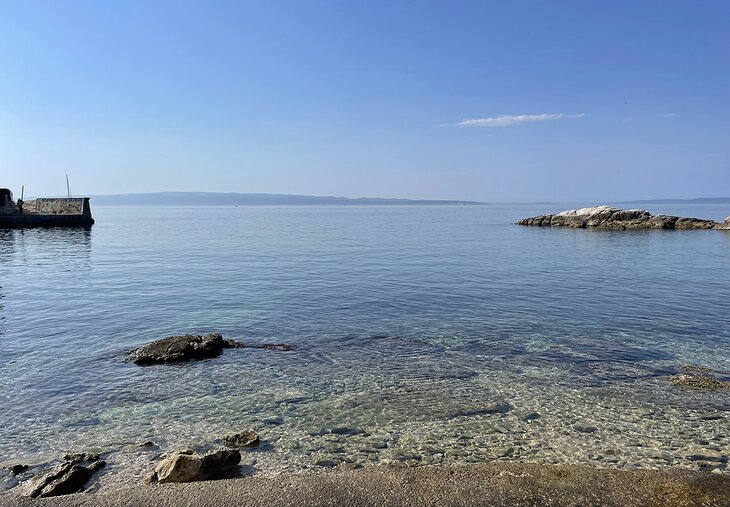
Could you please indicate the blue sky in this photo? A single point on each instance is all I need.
(496, 101)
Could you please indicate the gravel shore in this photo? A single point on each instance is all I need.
(492, 484)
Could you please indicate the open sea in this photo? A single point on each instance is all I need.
(420, 335)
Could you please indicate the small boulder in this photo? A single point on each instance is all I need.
(176, 349)
(64, 479)
(186, 466)
(248, 438)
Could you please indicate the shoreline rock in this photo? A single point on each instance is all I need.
(186, 466)
(68, 477)
(607, 217)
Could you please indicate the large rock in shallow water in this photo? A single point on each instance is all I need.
(179, 348)
(185, 466)
(607, 217)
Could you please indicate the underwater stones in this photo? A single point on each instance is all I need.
(407, 456)
(700, 454)
(695, 369)
(503, 452)
(326, 463)
(186, 466)
(273, 421)
(344, 431)
(584, 428)
(68, 477)
(176, 349)
(248, 438)
(698, 382)
(501, 407)
(607, 217)
(530, 416)
(283, 347)
(378, 444)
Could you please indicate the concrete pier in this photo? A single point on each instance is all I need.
(46, 212)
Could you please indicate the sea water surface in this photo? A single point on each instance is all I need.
(421, 335)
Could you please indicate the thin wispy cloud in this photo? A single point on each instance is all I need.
(669, 115)
(507, 120)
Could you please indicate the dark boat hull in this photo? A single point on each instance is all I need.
(50, 212)
(28, 220)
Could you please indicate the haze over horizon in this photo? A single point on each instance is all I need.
(518, 102)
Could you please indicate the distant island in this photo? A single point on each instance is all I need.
(236, 199)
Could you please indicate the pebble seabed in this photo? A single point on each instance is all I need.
(463, 408)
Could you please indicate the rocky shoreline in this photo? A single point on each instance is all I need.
(492, 484)
(607, 217)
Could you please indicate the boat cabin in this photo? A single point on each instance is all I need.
(6, 199)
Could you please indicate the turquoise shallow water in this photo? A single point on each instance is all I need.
(425, 334)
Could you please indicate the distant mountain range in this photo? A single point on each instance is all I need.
(699, 200)
(235, 199)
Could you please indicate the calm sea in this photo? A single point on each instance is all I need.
(421, 335)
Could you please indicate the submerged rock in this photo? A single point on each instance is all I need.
(696, 369)
(68, 477)
(186, 466)
(248, 438)
(607, 217)
(700, 454)
(16, 469)
(698, 382)
(585, 428)
(176, 349)
(530, 416)
(283, 347)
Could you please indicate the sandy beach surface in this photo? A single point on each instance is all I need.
(493, 484)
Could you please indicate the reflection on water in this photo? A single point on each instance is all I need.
(421, 336)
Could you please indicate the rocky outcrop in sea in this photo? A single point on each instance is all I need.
(176, 349)
(607, 217)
